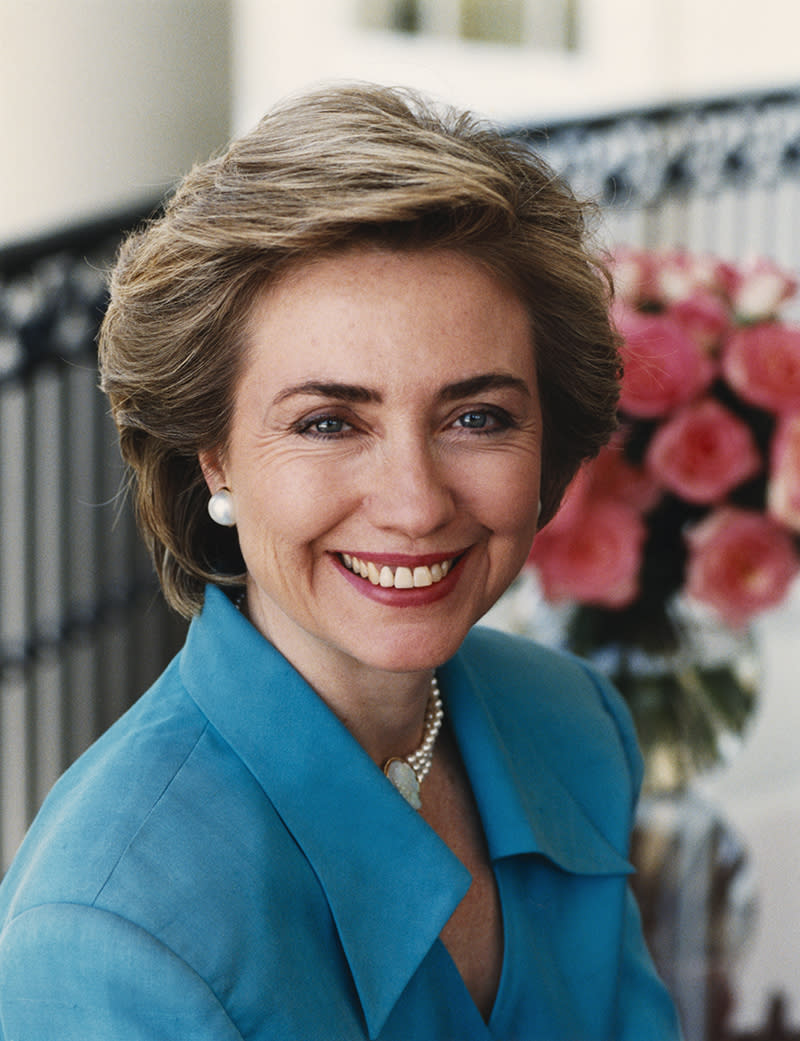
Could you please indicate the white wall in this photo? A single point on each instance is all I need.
(103, 103)
(738, 44)
(631, 51)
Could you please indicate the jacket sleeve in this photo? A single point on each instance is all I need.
(645, 1008)
(75, 973)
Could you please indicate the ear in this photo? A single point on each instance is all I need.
(213, 468)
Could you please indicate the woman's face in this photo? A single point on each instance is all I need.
(386, 420)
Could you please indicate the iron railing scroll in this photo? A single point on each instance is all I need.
(83, 630)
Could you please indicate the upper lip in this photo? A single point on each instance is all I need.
(403, 559)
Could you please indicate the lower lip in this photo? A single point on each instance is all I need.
(392, 597)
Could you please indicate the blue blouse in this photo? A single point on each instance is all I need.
(226, 862)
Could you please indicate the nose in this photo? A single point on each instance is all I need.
(410, 490)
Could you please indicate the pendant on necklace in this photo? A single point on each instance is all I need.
(405, 780)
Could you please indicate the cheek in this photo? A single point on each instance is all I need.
(507, 496)
(291, 508)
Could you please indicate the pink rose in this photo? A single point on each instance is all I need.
(680, 275)
(727, 278)
(705, 318)
(783, 491)
(664, 367)
(740, 562)
(702, 452)
(613, 477)
(762, 362)
(760, 290)
(592, 557)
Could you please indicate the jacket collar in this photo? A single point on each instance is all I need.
(524, 805)
(351, 825)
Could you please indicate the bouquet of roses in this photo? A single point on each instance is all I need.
(698, 496)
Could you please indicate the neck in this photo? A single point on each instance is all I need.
(383, 710)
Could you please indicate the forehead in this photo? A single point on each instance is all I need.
(389, 304)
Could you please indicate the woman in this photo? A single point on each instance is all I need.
(353, 368)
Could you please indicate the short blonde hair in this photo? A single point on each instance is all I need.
(321, 172)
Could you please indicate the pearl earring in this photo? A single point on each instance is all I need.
(221, 509)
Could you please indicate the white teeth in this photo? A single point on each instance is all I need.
(400, 577)
(403, 578)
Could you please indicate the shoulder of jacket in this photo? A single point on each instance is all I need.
(93, 813)
(79, 972)
(529, 683)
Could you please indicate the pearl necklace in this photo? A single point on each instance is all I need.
(408, 773)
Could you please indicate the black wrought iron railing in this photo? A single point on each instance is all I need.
(82, 629)
(720, 175)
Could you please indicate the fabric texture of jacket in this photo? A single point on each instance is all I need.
(227, 863)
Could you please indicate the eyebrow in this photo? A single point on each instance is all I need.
(330, 389)
(486, 381)
(357, 394)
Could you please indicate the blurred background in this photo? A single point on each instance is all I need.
(681, 118)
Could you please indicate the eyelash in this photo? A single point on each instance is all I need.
(498, 418)
(306, 427)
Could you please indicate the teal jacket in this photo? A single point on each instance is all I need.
(227, 863)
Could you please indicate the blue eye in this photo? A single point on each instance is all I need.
(484, 420)
(474, 420)
(328, 425)
(323, 427)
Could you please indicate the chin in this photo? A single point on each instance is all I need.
(415, 653)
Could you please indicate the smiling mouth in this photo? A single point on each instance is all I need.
(398, 577)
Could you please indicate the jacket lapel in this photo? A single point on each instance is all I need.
(524, 804)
